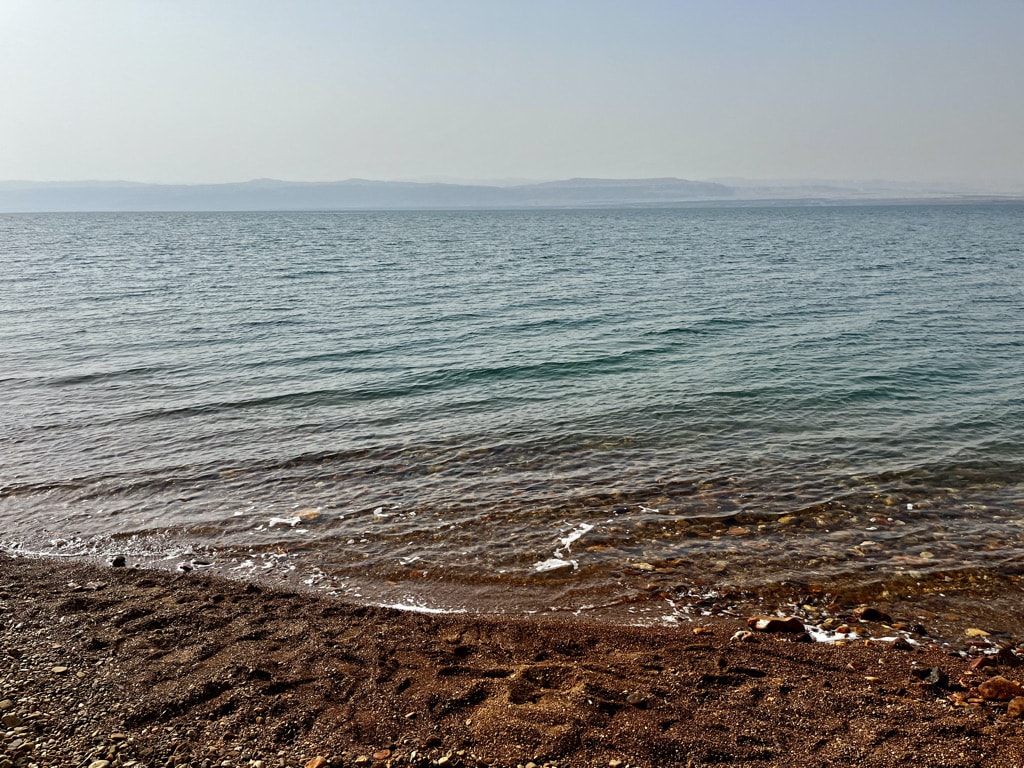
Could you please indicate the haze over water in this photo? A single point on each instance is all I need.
(513, 410)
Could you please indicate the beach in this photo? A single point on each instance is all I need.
(493, 385)
(124, 666)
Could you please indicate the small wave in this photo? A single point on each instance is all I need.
(138, 372)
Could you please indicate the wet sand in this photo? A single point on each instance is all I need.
(149, 668)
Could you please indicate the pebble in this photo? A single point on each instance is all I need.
(11, 720)
(636, 699)
(99, 764)
(118, 561)
(1006, 655)
(317, 762)
(975, 632)
(868, 613)
(982, 662)
(59, 670)
(1016, 707)
(6, 704)
(998, 688)
(775, 624)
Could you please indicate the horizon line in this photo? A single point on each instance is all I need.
(512, 181)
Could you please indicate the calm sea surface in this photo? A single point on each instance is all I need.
(519, 410)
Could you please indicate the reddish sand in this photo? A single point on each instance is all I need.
(146, 668)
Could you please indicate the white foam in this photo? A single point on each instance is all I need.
(820, 635)
(891, 639)
(553, 564)
(572, 537)
(414, 608)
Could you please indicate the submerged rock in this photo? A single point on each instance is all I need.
(868, 613)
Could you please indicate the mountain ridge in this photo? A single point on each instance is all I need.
(265, 194)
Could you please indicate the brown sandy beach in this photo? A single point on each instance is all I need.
(129, 667)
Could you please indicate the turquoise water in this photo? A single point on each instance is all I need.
(514, 409)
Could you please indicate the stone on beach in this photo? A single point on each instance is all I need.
(1015, 708)
(11, 720)
(998, 688)
(775, 624)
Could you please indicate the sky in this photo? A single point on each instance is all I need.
(208, 91)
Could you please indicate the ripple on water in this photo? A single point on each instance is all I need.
(558, 408)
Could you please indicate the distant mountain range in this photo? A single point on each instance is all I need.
(355, 194)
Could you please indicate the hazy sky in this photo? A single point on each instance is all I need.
(229, 90)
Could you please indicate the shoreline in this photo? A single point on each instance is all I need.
(150, 668)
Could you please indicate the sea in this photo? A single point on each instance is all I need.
(601, 412)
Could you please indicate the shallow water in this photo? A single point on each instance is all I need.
(519, 410)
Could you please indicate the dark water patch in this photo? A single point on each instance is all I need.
(112, 376)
